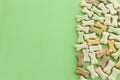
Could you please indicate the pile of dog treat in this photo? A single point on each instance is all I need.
(99, 26)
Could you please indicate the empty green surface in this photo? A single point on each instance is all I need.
(37, 39)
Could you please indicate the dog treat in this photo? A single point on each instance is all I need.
(101, 26)
(90, 36)
(83, 17)
(109, 66)
(82, 78)
(111, 46)
(103, 8)
(104, 39)
(107, 19)
(119, 14)
(82, 72)
(114, 37)
(93, 41)
(93, 2)
(114, 74)
(102, 53)
(117, 44)
(96, 30)
(104, 1)
(118, 64)
(86, 56)
(114, 30)
(96, 10)
(97, 18)
(111, 9)
(93, 58)
(95, 48)
(84, 4)
(84, 29)
(115, 4)
(80, 60)
(80, 37)
(88, 23)
(116, 55)
(114, 21)
(103, 62)
(81, 46)
(88, 12)
(101, 73)
(92, 72)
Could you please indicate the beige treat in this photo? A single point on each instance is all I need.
(88, 23)
(96, 30)
(84, 29)
(92, 42)
(107, 19)
(111, 8)
(104, 1)
(82, 72)
(109, 67)
(102, 53)
(86, 55)
(118, 14)
(80, 60)
(87, 11)
(114, 21)
(81, 46)
(82, 78)
(111, 46)
(104, 38)
(93, 58)
(84, 4)
(114, 74)
(90, 36)
(101, 26)
(103, 62)
(114, 36)
(103, 8)
(94, 2)
(95, 48)
(118, 64)
(92, 72)
(101, 73)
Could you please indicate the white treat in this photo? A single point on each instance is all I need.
(117, 44)
(95, 17)
(114, 30)
(84, 29)
(81, 46)
(107, 19)
(84, 4)
(93, 58)
(88, 12)
(116, 55)
(104, 37)
(109, 66)
(96, 10)
(80, 37)
(92, 72)
(115, 3)
(95, 48)
(112, 10)
(103, 8)
(86, 55)
(88, 23)
(114, 74)
(90, 36)
(101, 73)
(114, 21)
(115, 37)
(83, 17)
(82, 78)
